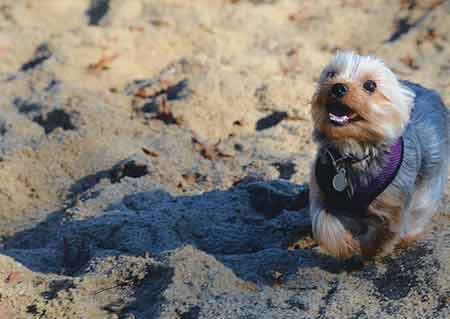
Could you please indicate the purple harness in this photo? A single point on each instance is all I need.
(356, 197)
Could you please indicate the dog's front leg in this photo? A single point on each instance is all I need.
(328, 229)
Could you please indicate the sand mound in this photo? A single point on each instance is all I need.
(153, 159)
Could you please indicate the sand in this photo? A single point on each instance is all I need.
(154, 155)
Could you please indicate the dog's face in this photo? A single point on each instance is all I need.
(359, 98)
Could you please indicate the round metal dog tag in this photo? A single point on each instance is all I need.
(340, 180)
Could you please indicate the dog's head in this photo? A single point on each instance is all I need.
(359, 98)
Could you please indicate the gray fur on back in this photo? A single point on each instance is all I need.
(423, 173)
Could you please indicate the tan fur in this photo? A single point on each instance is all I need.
(382, 115)
(388, 209)
(409, 241)
(375, 125)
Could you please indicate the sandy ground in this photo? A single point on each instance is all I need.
(153, 156)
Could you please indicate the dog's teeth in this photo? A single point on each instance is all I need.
(339, 119)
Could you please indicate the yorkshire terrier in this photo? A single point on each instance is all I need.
(382, 161)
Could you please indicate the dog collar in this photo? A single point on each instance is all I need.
(344, 193)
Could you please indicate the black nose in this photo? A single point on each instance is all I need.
(339, 89)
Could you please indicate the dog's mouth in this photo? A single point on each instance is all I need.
(339, 113)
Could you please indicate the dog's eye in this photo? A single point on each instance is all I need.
(370, 86)
(331, 74)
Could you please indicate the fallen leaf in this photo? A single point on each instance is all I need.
(102, 64)
(210, 152)
(409, 61)
(164, 113)
(13, 277)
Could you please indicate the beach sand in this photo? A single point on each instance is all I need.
(154, 158)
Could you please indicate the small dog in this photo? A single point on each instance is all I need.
(382, 162)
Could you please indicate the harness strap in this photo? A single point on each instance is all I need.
(362, 195)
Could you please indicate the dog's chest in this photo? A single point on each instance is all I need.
(346, 192)
(336, 184)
